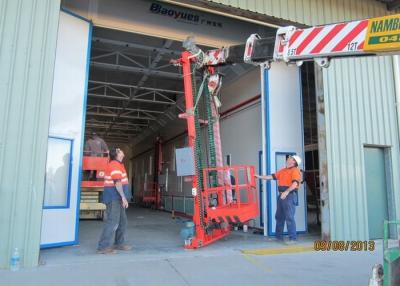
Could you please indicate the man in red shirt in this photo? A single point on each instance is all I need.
(116, 195)
(289, 179)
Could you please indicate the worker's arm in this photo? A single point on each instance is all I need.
(120, 190)
(292, 187)
(268, 177)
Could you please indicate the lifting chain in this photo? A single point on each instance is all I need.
(210, 132)
(197, 150)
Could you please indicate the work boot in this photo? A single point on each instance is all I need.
(123, 247)
(107, 250)
(291, 242)
(275, 239)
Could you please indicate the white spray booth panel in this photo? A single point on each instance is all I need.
(282, 135)
(61, 202)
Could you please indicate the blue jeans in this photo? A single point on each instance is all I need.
(285, 212)
(116, 221)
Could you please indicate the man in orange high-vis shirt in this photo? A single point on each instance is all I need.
(289, 179)
(116, 195)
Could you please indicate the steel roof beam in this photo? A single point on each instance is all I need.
(139, 70)
(135, 87)
(128, 109)
(121, 134)
(137, 46)
(132, 99)
(119, 115)
(151, 70)
(98, 109)
(122, 123)
(116, 127)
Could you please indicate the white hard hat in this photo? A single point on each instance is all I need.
(297, 159)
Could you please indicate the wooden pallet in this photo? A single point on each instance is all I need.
(90, 205)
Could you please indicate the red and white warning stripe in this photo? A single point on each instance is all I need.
(325, 40)
(215, 57)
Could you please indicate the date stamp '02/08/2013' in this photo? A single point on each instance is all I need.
(343, 245)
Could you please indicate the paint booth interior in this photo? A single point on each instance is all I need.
(135, 97)
(131, 95)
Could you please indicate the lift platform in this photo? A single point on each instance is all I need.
(236, 200)
(233, 201)
(92, 186)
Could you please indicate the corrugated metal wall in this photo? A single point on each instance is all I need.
(28, 33)
(360, 109)
(311, 12)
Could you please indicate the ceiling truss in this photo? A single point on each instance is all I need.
(126, 109)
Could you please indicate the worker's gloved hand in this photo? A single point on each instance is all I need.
(125, 203)
(284, 195)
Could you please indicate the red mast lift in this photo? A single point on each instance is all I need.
(213, 221)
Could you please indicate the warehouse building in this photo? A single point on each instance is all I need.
(75, 67)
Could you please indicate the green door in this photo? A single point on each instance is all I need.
(376, 185)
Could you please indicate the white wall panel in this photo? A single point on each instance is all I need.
(67, 121)
(284, 134)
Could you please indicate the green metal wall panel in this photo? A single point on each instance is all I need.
(28, 34)
(178, 204)
(168, 204)
(189, 207)
(360, 110)
(311, 12)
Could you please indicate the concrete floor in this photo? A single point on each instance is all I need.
(158, 258)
